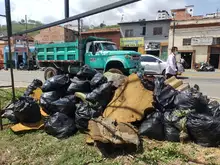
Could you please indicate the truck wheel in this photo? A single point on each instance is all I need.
(50, 72)
(114, 70)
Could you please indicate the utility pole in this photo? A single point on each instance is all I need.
(81, 29)
(174, 28)
(9, 32)
(79, 43)
(66, 8)
(27, 43)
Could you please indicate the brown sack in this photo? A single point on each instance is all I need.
(130, 101)
(106, 130)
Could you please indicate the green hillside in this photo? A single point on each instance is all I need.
(20, 26)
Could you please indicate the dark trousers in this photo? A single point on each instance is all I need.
(169, 75)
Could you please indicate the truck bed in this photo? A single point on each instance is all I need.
(66, 52)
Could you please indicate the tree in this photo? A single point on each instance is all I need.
(102, 25)
(22, 21)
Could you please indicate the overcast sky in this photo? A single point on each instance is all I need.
(52, 10)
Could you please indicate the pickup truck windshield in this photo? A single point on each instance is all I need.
(109, 46)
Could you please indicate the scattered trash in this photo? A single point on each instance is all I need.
(101, 95)
(204, 129)
(10, 115)
(106, 130)
(165, 99)
(47, 98)
(174, 123)
(152, 126)
(130, 102)
(60, 125)
(117, 79)
(78, 85)
(159, 85)
(64, 105)
(214, 108)
(86, 72)
(106, 106)
(84, 113)
(33, 86)
(55, 83)
(27, 113)
(147, 81)
(27, 110)
(98, 80)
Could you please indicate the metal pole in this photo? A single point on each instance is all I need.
(1, 15)
(174, 26)
(27, 43)
(9, 31)
(79, 44)
(66, 8)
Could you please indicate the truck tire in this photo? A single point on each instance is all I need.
(114, 70)
(50, 72)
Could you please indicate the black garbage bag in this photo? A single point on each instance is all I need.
(98, 80)
(55, 83)
(60, 126)
(204, 129)
(47, 98)
(152, 127)
(214, 108)
(185, 100)
(159, 85)
(84, 113)
(86, 72)
(174, 123)
(192, 99)
(64, 105)
(165, 99)
(78, 85)
(33, 86)
(202, 102)
(101, 95)
(27, 110)
(147, 81)
(10, 115)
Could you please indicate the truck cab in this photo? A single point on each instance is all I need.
(104, 55)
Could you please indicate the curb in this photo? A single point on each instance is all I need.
(215, 98)
(201, 76)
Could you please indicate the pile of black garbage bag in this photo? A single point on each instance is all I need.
(182, 116)
(25, 109)
(68, 113)
(71, 102)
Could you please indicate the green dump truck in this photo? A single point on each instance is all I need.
(98, 53)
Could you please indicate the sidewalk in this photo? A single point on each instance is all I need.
(208, 75)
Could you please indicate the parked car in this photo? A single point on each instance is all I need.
(154, 65)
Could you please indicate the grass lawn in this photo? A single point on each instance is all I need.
(40, 148)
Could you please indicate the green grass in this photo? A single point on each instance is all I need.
(6, 95)
(40, 148)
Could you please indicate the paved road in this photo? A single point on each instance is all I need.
(210, 87)
(208, 82)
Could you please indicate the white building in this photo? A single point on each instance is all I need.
(198, 40)
(162, 14)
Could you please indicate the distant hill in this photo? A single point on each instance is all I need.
(20, 26)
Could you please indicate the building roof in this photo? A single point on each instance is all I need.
(146, 21)
(182, 9)
(104, 30)
(23, 37)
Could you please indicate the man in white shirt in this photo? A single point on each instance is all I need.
(171, 69)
